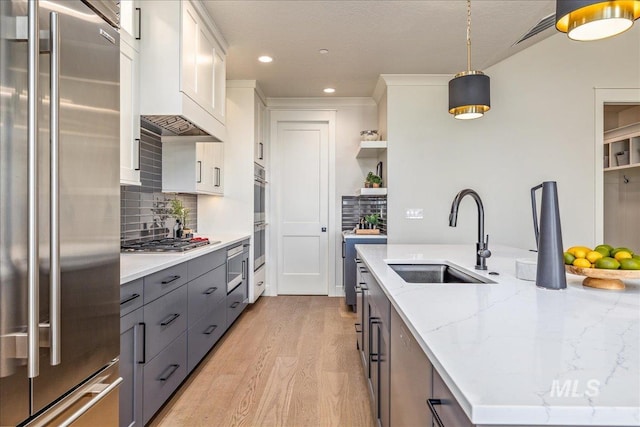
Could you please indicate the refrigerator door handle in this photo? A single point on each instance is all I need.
(102, 392)
(54, 203)
(33, 333)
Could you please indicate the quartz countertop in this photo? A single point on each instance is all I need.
(353, 235)
(512, 353)
(136, 265)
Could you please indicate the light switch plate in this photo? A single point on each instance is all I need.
(414, 213)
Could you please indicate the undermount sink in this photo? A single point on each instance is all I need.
(434, 273)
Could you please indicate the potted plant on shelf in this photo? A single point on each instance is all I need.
(180, 213)
(376, 181)
(367, 180)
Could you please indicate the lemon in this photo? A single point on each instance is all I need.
(568, 258)
(630, 264)
(581, 252)
(607, 263)
(593, 256)
(581, 262)
(575, 250)
(620, 249)
(622, 255)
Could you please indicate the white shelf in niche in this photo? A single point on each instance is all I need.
(371, 192)
(371, 149)
(622, 148)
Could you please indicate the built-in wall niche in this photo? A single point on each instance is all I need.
(621, 137)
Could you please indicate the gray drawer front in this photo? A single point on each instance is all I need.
(235, 303)
(158, 284)
(170, 365)
(131, 296)
(165, 319)
(204, 263)
(205, 292)
(205, 333)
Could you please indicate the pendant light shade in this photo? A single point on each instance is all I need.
(469, 91)
(469, 95)
(593, 20)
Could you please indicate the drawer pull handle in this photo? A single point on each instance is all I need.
(129, 299)
(360, 326)
(144, 343)
(170, 371)
(210, 329)
(235, 304)
(431, 403)
(210, 290)
(170, 319)
(169, 280)
(260, 283)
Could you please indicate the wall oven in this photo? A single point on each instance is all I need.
(235, 267)
(259, 244)
(259, 193)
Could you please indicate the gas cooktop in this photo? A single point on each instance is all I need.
(166, 245)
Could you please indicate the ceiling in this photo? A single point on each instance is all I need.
(365, 39)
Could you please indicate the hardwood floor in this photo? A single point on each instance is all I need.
(288, 361)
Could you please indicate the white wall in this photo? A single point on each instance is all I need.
(540, 127)
(353, 116)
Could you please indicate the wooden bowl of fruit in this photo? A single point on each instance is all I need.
(605, 267)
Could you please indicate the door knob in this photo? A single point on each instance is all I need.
(324, 229)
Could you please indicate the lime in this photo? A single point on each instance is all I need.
(636, 257)
(604, 250)
(630, 264)
(607, 263)
(568, 258)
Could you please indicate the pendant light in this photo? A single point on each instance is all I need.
(469, 96)
(594, 20)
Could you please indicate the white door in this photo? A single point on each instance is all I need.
(302, 195)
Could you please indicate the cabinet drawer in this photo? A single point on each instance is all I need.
(205, 292)
(131, 296)
(236, 302)
(205, 263)
(158, 284)
(165, 319)
(205, 333)
(163, 375)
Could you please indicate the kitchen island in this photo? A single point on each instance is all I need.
(514, 354)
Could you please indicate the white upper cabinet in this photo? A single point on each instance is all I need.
(129, 112)
(130, 22)
(182, 64)
(196, 168)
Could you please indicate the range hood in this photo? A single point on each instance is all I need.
(174, 127)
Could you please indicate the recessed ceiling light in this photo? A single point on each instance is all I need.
(265, 59)
(329, 90)
(324, 51)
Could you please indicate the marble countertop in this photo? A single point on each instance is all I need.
(136, 265)
(513, 353)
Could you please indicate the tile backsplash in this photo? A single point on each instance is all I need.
(145, 210)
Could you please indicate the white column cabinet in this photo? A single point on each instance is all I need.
(260, 155)
(193, 167)
(129, 103)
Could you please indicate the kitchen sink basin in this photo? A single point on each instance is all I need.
(435, 273)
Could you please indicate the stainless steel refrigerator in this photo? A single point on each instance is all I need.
(60, 210)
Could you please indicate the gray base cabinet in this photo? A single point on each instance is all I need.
(402, 381)
(169, 321)
(349, 268)
(411, 379)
